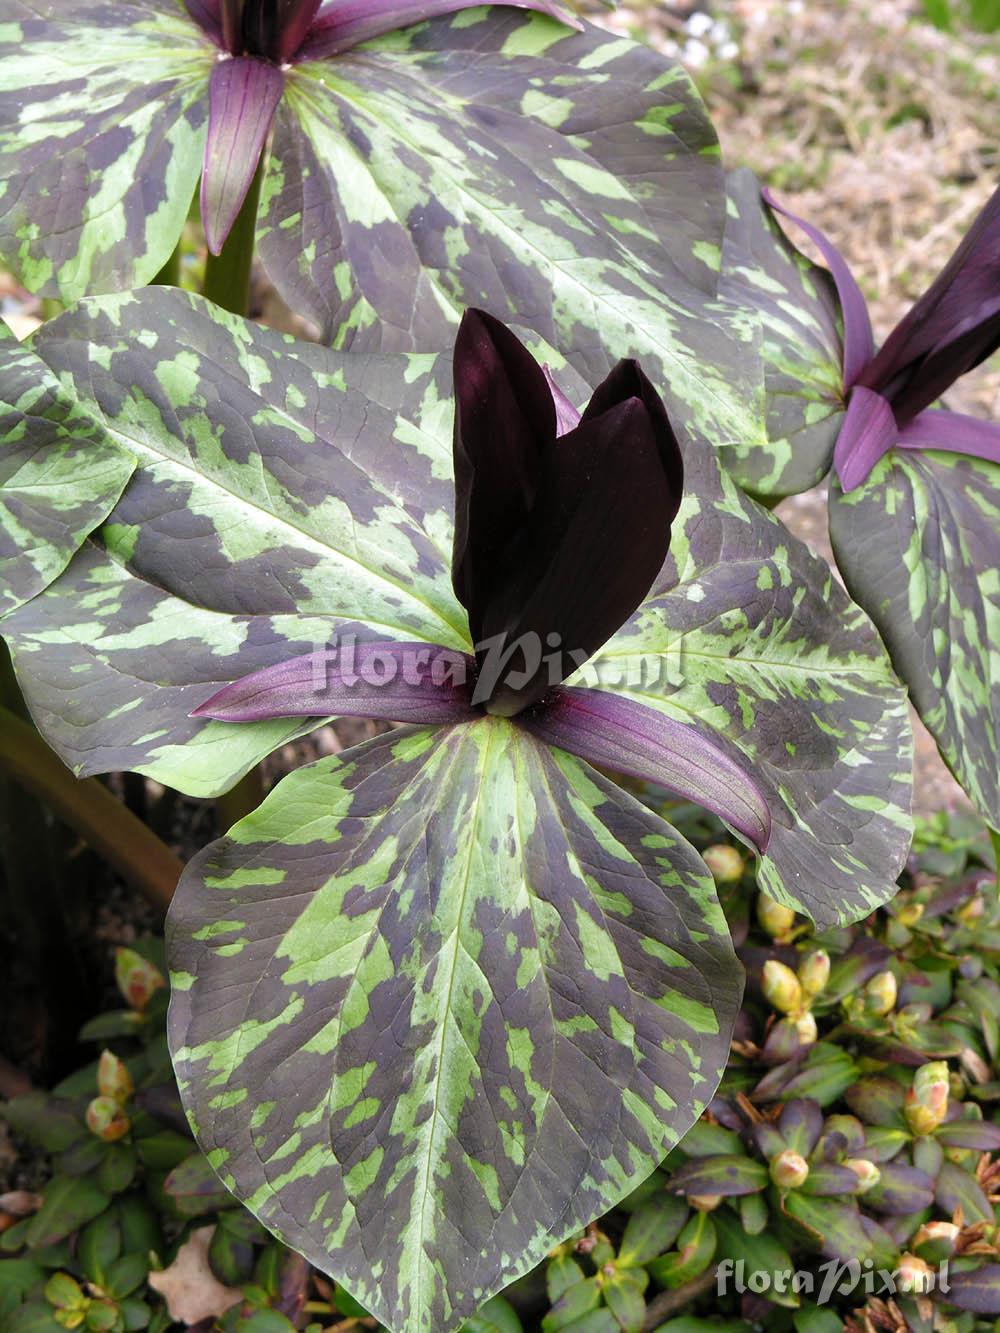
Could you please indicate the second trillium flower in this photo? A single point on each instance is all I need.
(562, 525)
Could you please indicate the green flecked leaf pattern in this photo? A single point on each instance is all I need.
(570, 183)
(802, 347)
(267, 513)
(60, 476)
(102, 127)
(440, 1001)
(748, 635)
(918, 545)
(275, 504)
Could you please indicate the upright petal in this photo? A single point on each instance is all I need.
(593, 544)
(243, 95)
(859, 342)
(276, 28)
(567, 416)
(627, 380)
(868, 432)
(954, 325)
(346, 23)
(504, 419)
(208, 16)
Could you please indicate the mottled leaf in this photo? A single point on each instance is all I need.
(568, 181)
(265, 517)
(267, 514)
(725, 1175)
(102, 126)
(802, 347)
(919, 547)
(748, 636)
(60, 474)
(499, 986)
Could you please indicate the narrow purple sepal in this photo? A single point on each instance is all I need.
(243, 95)
(347, 23)
(208, 16)
(567, 416)
(628, 737)
(393, 682)
(869, 431)
(297, 20)
(859, 342)
(959, 434)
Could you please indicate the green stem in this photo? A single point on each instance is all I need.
(227, 274)
(170, 274)
(241, 800)
(995, 844)
(87, 806)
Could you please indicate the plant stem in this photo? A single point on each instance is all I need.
(669, 1302)
(87, 806)
(227, 274)
(240, 800)
(170, 274)
(995, 844)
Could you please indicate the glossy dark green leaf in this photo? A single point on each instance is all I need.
(69, 1202)
(758, 1254)
(652, 1229)
(570, 1004)
(833, 1226)
(919, 547)
(802, 347)
(50, 1122)
(695, 1250)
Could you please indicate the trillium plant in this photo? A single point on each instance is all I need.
(914, 517)
(446, 996)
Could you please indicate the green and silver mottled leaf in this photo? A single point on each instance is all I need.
(568, 183)
(285, 493)
(102, 128)
(440, 1001)
(60, 476)
(919, 547)
(275, 504)
(748, 636)
(802, 347)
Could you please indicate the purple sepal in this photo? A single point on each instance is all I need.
(859, 343)
(640, 742)
(937, 429)
(347, 23)
(868, 432)
(394, 682)
(243, 95)
(567, 416)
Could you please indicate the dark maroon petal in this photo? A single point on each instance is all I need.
(626, 736)
(297, 18)
(627, 380)
(959, 434)
(567, 416)
(243, 95)
(588, 554)
(868, 432)
(208, 16)
(231, 16)
(504, 420)
(954, 325)
(859, 344)
(346, 23)
(396, 682)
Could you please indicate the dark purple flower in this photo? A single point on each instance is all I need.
(952, 328)
(257, 41)
(562, 524)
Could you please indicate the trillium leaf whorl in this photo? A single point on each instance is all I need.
(446, 997)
